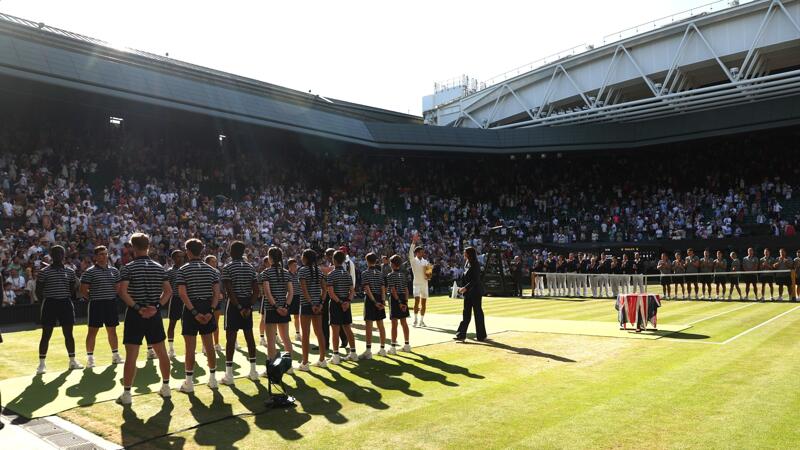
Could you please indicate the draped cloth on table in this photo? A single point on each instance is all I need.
(638, 310)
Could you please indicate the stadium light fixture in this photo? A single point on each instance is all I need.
(222, 137)
(115, 121)
(275, 371)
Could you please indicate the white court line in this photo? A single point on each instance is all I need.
(761, 324)
(722, 313)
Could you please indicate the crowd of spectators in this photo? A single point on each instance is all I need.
(87, 187)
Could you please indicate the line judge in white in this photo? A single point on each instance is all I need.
(422, 271)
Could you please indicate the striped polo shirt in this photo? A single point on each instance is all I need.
(58, 282)
(199, 279)
(397, 280)
(313, 284)
(145, 279)
(278, 279)
(373, 280)
(102, 282)
(172, 272)
(241, 274)
(341, 282)
(295, 283)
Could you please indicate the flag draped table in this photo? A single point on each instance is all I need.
(638, 310)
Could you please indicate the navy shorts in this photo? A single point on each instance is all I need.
(271, 316)
(371, 312)
(294, 308)
(57, 311)
(175, 308)
(102, 314)
(396, 312)
(305, 310)
(191, 327)
(138, 329)
(337, 316)
(235, 321)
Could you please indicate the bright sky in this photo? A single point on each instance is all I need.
(379, 53)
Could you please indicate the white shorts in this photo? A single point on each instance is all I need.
(421, 290)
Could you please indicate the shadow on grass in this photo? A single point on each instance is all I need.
(138, 433)
(355, 393)
(92, 384)
(234, 429)
(443, 366)
(526, 351)
(283, 421)
(36, 395)
(676, 335)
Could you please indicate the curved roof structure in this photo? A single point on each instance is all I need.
(41, 59)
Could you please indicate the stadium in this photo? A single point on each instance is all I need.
(595, 250)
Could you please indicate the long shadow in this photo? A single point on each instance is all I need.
(140, 433)
(146, 376)
(177, 368)
(283, 421)
(36, 395)
(235, 428)
(389, 376)
(92, 384)
(521, 350)
(314, 403)
(442, 365)
(354, 392)
(677, 335)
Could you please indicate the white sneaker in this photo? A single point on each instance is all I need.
(366, 355)
(171, 354)
(116, 359)
(335, 359)
(253, 375)
(41, 369)
(422, 324)
(297, 337)
(75, 365)
(227, 381)
(90, 362)
(125, 398)
(323, 364)
(352, 357)
(262, 342)
(151, 354)
(218, 348)
(187, 387)
(406, 348)
(212, 382)
(392, 351)
(165, 391)
(381, 352)
(303, 368)
(415, 321)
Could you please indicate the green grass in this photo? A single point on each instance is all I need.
(521, 390)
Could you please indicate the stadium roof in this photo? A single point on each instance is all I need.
(36, 55)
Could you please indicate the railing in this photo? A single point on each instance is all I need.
(671, 19)
(608, 39)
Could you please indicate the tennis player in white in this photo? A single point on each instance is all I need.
(416, 258)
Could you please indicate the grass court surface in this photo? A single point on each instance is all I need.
(557, 374)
